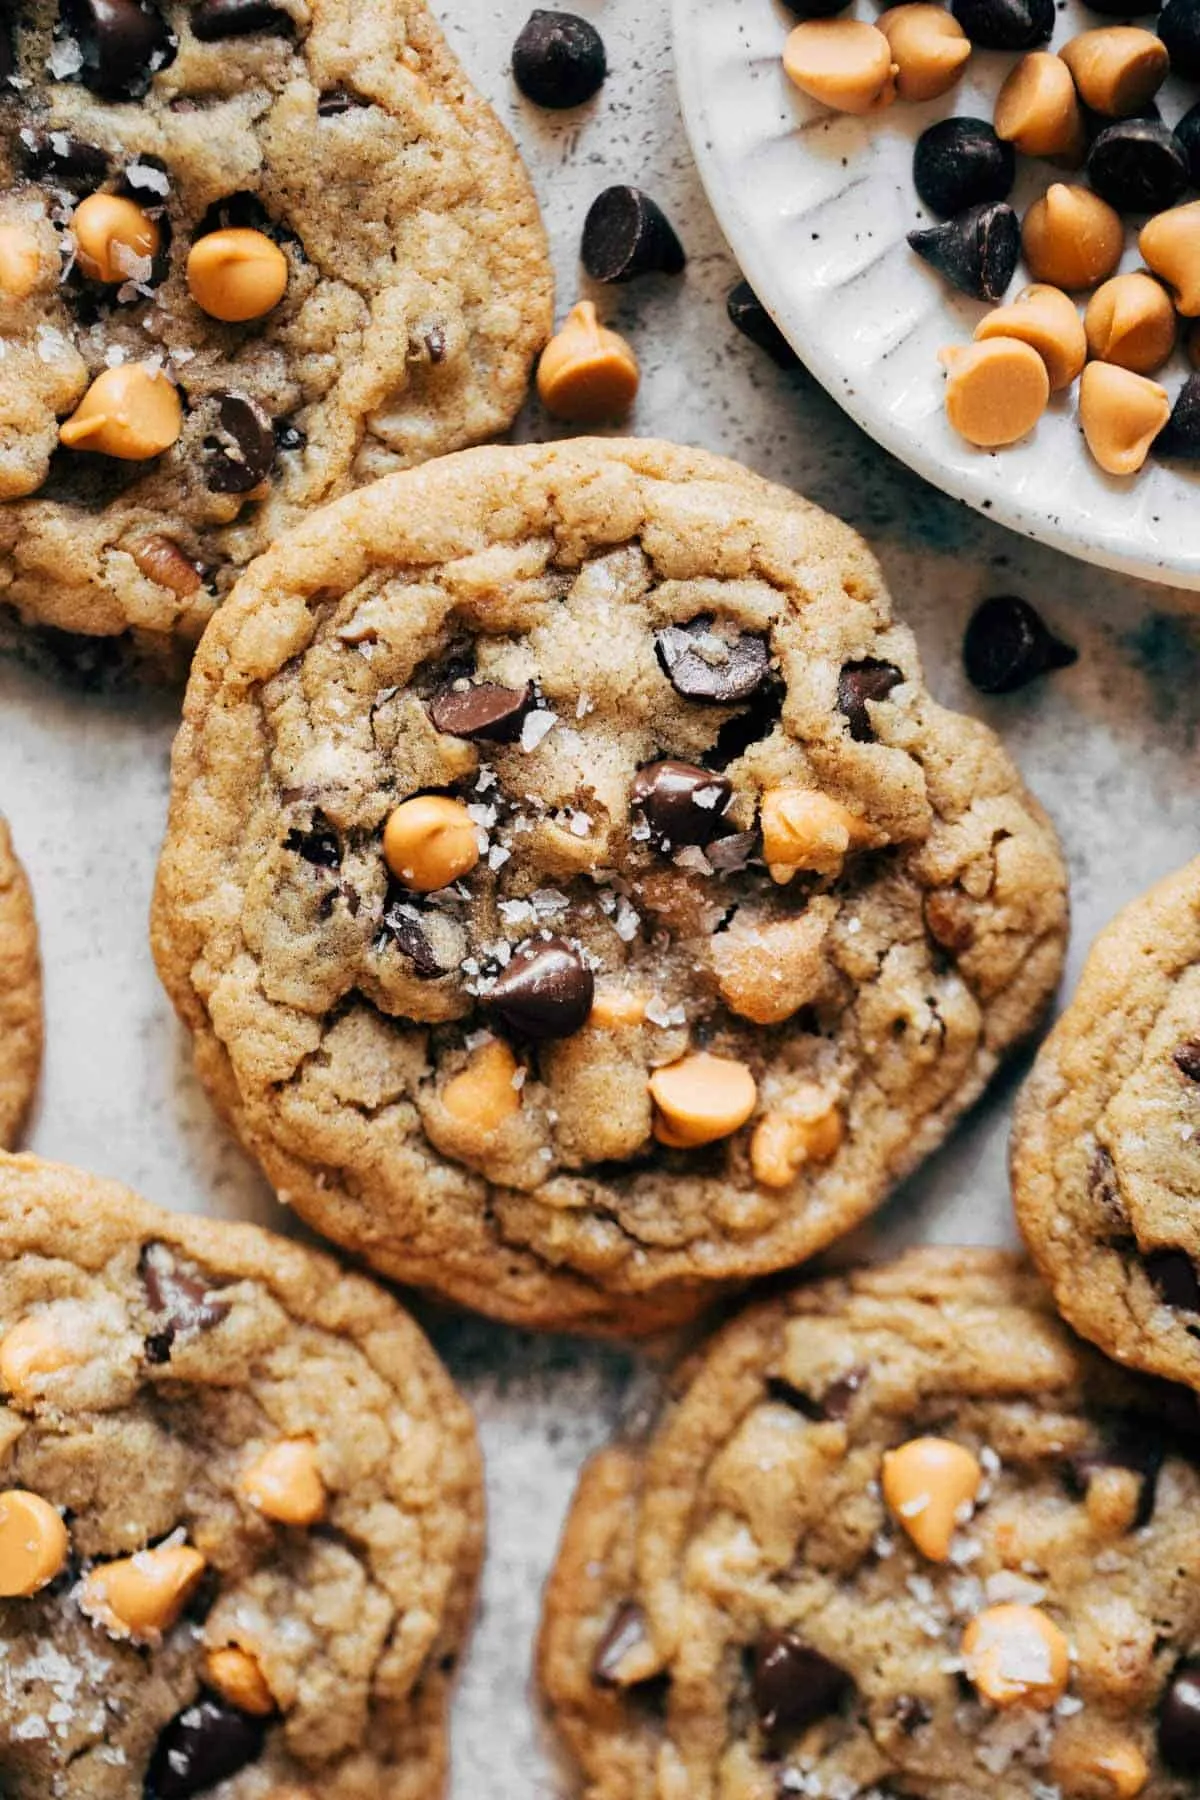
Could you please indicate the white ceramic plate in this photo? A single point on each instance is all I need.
(816, 208)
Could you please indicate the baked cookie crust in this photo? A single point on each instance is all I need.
(20, 994)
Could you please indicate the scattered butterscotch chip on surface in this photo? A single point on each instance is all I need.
(1048, 320)
(1121, 414)
(996, 390)
(1130, 321)
(846, 64)
(1037, 109)
(1071, 238)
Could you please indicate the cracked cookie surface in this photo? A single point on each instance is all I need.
(762, 1599)
(1106, 1151)
(380, 186)
(252, 1508)
(20, 994)
(737, 922)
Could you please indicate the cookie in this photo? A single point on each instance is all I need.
(240, 1517)
(1106, 1157)
(20, 994)
(251, 255)
(576, 896)
(894, 1534)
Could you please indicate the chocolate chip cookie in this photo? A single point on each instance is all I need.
(1106, 1156)
(575, 894)
(20, 994)
(240, 1512)
(251, 255)
(895, 1534)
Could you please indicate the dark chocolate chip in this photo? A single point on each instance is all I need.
(56, 156)
(625, 1631)
(1179, 29)
(959, 163)
(1129, 1448)
(626, 234)
(976, 252)
(318, 845)
(484, 710)
(1180, 436)
(748, 725)
(794, 1685)
(1174, 1275)
(1006, 24)
(860, 682)
(1187, 134)
(702, 664)
(242, 452)
(730, 855)
(815, 9)
(1179, 1719)
(749, 316)
(834, 1403)
(911, 1712)
(289, 436)
(1007, 645)
(336, 101)
(181, 1295)
(240, 211)
(545, 991)
(558, 60)
(123, 43)
(204, 1744)
(401, 926)
(1138, 166)
(8, 52)
(681, 803)
(214, 19)
(1186, 1057)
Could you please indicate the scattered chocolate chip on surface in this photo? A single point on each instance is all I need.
(976, 252)
(626, 234)
(1007, 645)
(1138, 166)
(559, 60)
(1006, 24)
(959, 163)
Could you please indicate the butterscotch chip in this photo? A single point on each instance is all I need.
(132, 412)
(33, 1543)
(805, 829)
(20, 995)
(996, 390)
(285, 1484)
(142, 1596)
(930, 49)
(429, 842)
(1071, 238)
(486, 1092)
(1121, 414)
(237, 1676)
(929, 1484)
(1046, 319)
(846, 64)
(1016, 1656)
(236, 275)
(1117, 69)
(1130, 321)
(20, 261)
(115, 240)
(587, 372)
(807, 1127)
(701, 1098)
(1037, 108)
(1170, 244)
(31, 1350)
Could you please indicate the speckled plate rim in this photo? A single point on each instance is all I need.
(763, 180)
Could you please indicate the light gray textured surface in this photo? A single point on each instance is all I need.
(1110, 746)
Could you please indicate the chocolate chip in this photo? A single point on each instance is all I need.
(730, 855)
(1179, 1719)
(1180, 436)
(748, 725)
(1186, 1057)
(1008, 645)
(242, 452)
(681, 803)
(336, 101)
(834, 1403)
(1006, 24)
(959, 163)
(1138, 166)
(8, 53)
(860, 682)
(1174, 1275)
(1179, 29)
(815, 9)
(240, 211)
(626, 234)
(625, 1631)
(794, 1685)
(1128, 1448)
(558, 60)
(318, 845)
(748, 315)
(213, 19)
(976, 252)
(401, 926)
(181, 1294)
(838, 1397)
(545, 991)
(123, 43)
(289, 436)
(911, 1712)
(483, 710)
(1187, 134)
(56, 156)
(701, 664)
(204, 1744)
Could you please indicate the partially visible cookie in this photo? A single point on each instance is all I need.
(1106, 1142)
(577, 897)
(893, 1534)
(20, 994)
(240, 1512)
(251, 255)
